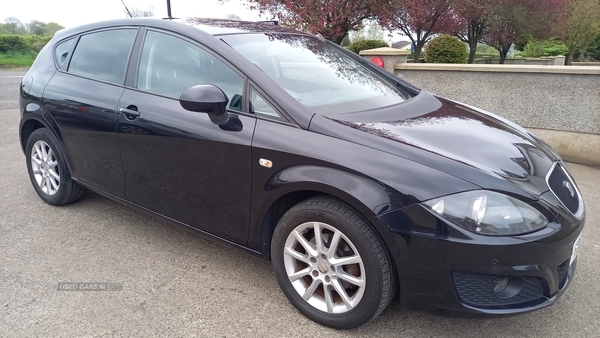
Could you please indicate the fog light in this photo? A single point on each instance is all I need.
(508, 287)
(501, 285)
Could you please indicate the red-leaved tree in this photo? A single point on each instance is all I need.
(473, 19)
(332, 19)
(419, 20)
(514, 19)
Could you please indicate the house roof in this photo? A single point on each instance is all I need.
(400, 44)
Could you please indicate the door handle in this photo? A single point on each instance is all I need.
(130, 113)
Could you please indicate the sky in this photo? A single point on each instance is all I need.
(71, 13)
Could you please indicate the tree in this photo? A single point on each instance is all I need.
(519, 19)
(137, 12)
(370, 31)
(233, 17)
(52, 27)
(332, 19)
(37, 27)
(13, 25)
(473, 20)
(419, 20)
(582, 27)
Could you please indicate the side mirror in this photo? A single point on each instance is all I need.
(206, 98)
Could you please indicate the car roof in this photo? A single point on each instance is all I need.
(224, 27)
(213, 27)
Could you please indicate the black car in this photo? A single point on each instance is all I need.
(357, 185)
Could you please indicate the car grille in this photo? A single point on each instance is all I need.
(562, 271)
(478, 290)
(564, 188)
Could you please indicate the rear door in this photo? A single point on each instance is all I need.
(178, 163)
(82, 98)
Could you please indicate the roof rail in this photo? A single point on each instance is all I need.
(270, 22)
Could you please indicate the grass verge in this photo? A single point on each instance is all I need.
(16, 60)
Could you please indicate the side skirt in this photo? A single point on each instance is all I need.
(172, 221)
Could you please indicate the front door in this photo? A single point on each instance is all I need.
(178, 163)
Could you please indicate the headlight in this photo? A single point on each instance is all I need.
(488, 213)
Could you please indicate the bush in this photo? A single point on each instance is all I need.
(550, 47)
(22, 44)
(14, 44)
(345, 41)
(446, 49)
(359, 45)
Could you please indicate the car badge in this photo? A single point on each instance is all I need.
(569, 187)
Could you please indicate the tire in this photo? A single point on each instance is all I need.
(344, 287)
(48, 170)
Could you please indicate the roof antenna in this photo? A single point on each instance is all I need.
(169, 17)
(127, 9)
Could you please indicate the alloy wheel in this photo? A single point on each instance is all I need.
(44, 165)
(324, 267)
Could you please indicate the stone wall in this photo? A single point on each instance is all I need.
(559, 103)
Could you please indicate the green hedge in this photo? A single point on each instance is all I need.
(446, 49)
(19, 44)
(359, 45)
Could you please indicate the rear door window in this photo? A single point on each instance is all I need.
(103, 55)
(62, 52)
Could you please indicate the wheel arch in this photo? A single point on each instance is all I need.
(36, 117)
(365, 196)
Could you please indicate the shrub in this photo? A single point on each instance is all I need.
(11, 44)
(22, 44)
(345, 41)
(446, 49)
(550, 47)
(359, 45)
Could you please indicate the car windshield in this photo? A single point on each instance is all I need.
(317, 74)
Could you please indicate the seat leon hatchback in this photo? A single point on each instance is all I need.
(356, 185)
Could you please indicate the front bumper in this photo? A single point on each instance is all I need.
(441, 267)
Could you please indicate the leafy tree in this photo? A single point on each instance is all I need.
(473, 18)
(370, 31)
(332, 19)
(37, 27)
(516, 19)
(51, 28)
(13, 25)
(419, 20)
(446, 49)
(233, 17)
(582, 28)
(594, 48)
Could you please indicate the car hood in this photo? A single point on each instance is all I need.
(454, 138)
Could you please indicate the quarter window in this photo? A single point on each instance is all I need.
(103, 55)
(170, 65)
(62, 52)
(260, 106)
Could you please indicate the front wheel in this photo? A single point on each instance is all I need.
(331, 264)
(48, 170)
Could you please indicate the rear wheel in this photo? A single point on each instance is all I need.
(331, 265)
(48, 170)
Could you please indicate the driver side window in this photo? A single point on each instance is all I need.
(170, 65)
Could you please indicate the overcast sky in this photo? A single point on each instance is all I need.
(70, 13)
